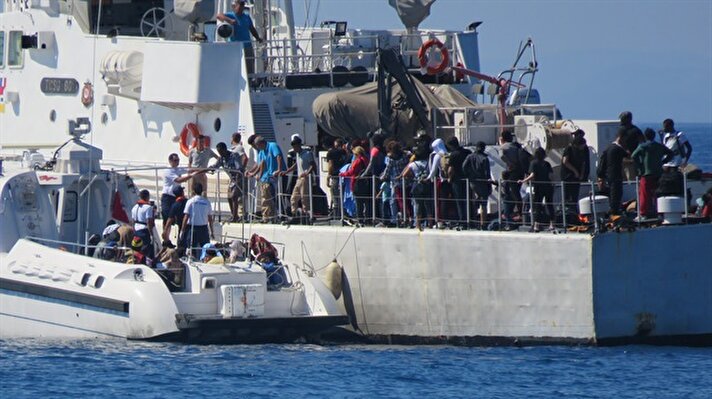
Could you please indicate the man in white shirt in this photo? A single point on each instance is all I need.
(172, 177)
(143, 217)
(677, 142)
(197, 226)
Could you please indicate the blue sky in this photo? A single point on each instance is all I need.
(596, 58)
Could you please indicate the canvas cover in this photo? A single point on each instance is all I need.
(354, 113)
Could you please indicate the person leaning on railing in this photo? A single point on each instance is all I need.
(540, 175)
(335, 158)
(305, 166)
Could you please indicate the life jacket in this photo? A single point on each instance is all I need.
(262, 250)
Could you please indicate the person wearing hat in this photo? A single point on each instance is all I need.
(143, 216)
(136, 254)
(198, 160)
(358, 165)
(175, 215)
(242, 27)
(305, 166)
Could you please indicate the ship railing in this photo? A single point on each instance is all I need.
(342, 56)
(475, 123)
(441, 207)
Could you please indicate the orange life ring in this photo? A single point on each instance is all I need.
(423, 57)
(194, 131)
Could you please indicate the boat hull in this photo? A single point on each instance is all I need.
(507, 287)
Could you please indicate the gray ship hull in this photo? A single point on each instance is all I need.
(471, 287)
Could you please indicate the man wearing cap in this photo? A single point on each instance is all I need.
(305, 166)
(172, 177)
(270, 162)
(143, 216)
(197, 226)
(242, 27)
(198, 160)
(175, 215)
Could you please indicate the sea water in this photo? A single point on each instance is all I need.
(119, 368)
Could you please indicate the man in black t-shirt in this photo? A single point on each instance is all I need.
(456, 177)
(175, 214)
(574, 169)
(610, 170)
(336, 158)
(632, 137)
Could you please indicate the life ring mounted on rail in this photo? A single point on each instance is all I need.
(424, 58)
(194, 131)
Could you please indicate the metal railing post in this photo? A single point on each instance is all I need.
(156, 183)
(531, 203)
(311, 200)
(341, 198)
(405, 206)
(435, 201)
(684, 194)
(563, 205)
(373, 199)
(217, 196)
(467, 203)
(279, 197)
(637, 199)
(593, 206)
(499, 203)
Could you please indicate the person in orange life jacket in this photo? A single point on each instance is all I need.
(143, 216)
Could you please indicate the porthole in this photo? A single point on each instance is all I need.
(85, 279)
(217, 125)
(52, 115)
(99, 282)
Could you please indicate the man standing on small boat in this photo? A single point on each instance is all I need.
(172, 177)
(197, 226)
(242, 27)
(143, 216)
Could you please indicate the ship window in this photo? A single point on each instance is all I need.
(126, 16)
(14, 56)
(70, 207)
(2, 49)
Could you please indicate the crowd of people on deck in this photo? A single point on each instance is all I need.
(378, 182)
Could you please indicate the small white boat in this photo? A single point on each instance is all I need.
(50, 288)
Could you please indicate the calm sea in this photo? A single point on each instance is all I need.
(119, 368)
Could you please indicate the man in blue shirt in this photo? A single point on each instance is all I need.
(242, 26)
(270, 162)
